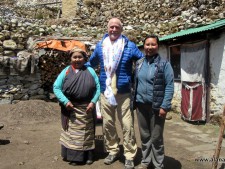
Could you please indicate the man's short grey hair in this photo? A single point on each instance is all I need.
(119, 21)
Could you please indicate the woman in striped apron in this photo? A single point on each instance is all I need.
(77, 89)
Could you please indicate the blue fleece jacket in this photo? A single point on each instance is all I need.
(154, 82)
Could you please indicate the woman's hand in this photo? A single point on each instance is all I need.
(69, 106)
(162, 113)
(90, 107)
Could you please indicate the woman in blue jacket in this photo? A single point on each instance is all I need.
(154, 88)
(77, 89)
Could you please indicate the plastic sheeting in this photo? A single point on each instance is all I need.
(63, 45)
(193, 58)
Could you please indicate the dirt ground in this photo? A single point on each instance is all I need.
(29, 140)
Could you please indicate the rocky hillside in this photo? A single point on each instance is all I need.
(22, 22)
(140, 17)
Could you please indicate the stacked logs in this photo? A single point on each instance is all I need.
(51, 63)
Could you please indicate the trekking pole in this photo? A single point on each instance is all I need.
(218, 147)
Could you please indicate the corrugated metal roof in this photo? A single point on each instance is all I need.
(211, 26)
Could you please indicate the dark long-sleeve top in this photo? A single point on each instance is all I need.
(77, 86)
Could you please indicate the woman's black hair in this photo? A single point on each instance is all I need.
(82, 52)
(151, 36)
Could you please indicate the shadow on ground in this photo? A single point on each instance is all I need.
(171, 163)
(99, 148)
(4, 142)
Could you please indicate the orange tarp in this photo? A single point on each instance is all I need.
(63, 45)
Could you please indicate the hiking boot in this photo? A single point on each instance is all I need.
(129, 164)
(111, 159)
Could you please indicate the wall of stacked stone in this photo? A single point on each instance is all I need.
(16, 87)
(141, 17)
(19, 78)
(18, 84)
(69, 9)
(34, 2)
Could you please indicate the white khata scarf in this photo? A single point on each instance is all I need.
(111, 55)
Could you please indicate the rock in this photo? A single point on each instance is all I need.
(9, 53)
(222, 15)
(21, 163)
(56, 158)
(18, 96)
(9, 44)
(2, 37)
(35, 97)
(26, 142)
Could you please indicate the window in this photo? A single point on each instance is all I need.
(175, 60)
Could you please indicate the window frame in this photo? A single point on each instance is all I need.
(177, 73)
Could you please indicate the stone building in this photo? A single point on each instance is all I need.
(197, 56)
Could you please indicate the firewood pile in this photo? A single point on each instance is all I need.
(51, 63)
(54, 56)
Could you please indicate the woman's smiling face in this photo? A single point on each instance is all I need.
(151, 47)
(77, 60)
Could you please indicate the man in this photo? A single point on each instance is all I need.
(115, 54)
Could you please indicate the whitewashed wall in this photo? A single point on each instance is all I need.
(217, 69)
(217, 73)
(163, 51)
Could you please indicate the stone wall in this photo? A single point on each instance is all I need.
(21, 87)
(141, 17)
(34, 2)
(18, 79)
(69, 8)
(20, 74)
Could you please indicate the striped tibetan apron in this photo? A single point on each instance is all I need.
(80, 133)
